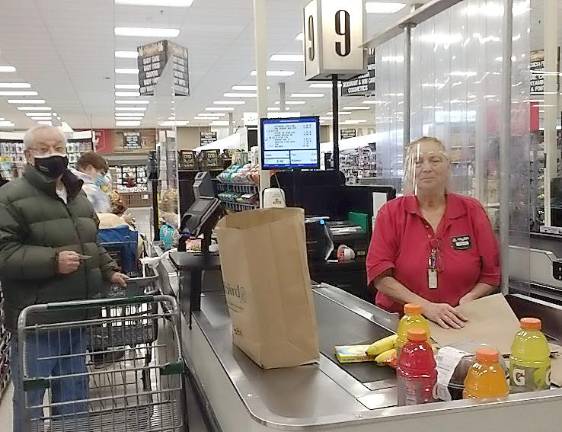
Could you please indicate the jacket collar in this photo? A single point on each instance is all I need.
(455, 206)
(72, 183)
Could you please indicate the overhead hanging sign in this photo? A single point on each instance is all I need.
(206, 138)
(132, 140)
(348, 133)
(333, 37)
(537, 67)
(153, 59)
(363, 85)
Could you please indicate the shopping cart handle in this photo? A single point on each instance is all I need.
(85, 304)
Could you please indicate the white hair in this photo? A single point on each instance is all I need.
(29, 137)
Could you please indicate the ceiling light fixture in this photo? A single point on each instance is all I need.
(40, 118)
(287, 58)
(38, 114)
(276, 73)
(126, 71)
(126, 54)
(240, 95)
(356, 108)
(218, 109)
(6, 123)
(161, 3)
(130, 108)
(7, 69)
(174, 123)
(220, 123)
(353, 122)
(373, 102)
(383, 8)
(308, 95)
(205, 118)
(146, 32)
(26, 101)
(229, 102)
(34, 108)
(127, 86)
(18, 93)
(215, 115)
(132, 102)
(133, 116)
(292, 103)
(16, 85)
(127, 94)
(45, 122)
(127, 123)
(273, 109)
(128, 118)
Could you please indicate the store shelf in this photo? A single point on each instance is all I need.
(239, 206)
(243, 188)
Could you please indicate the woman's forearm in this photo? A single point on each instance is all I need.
(395, 290)
(479, 290)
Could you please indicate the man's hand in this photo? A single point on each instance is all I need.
(119, 279)
(68, 262)
(444, 315)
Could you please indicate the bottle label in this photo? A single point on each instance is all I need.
(524, 378)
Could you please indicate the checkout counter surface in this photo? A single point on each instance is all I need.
(327, 396)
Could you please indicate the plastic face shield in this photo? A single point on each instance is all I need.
(425, 162)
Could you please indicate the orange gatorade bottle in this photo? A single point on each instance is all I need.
(486, 378)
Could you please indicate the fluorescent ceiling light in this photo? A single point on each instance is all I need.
(130, 108)
(205, 118)
(162, 3)
(229, 102)
(220, 123)
(125, 71)
(18, 93)
(292, 103)
(127, 123)
(45, 122)
(132, 102)
(240, 95)
(34, 108)
(128, 118)
(174, 123)
(40, 118)
(129, 114)
(2, 119)
(218, 109)
(26, 101)
(356, 108)
(341, 113)
(6, 123)
(126, 94)
(287, 58)
(7, 69)
(373, 102)
(352, 122)
(127, 86)
(38, 114)
(273, 108)
(276, 73)
(146, 32)
(300, 37)
(215, 115)
(126, 54)
(307, 95)
(14, 85)
(383, 8)
(245, 87)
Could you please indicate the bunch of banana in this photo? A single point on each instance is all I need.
(383, 350)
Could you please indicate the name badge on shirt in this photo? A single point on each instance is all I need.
(461, 242)
(432, 278)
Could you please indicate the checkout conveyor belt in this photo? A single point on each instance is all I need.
(336, 326)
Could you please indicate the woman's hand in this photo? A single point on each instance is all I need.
(445, 315)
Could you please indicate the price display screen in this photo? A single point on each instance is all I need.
(290, 143)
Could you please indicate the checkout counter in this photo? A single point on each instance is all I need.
(239, 396)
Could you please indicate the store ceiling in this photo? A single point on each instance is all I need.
(65, 50)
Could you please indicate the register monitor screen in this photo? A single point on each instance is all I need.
(290, 143)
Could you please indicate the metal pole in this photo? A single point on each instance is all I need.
(230, 123)
(407, 83)
(336, 121)
(260, 37)
(282, 96)
(550, 102)
(505, 141)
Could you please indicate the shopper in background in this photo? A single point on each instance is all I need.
(48, 253)
(92, 170)
(2, 181)
(432, 247)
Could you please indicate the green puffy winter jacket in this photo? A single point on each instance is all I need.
(35, 225)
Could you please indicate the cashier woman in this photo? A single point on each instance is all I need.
(431, 246)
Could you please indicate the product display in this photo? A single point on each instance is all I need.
(129, 178)
(359, 164)
(4, 351)
(12, 158)
(237, 186)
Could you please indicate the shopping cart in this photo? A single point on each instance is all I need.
(142, 389)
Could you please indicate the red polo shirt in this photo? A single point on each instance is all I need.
(402, 241)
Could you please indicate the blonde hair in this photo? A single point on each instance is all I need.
(412, 151)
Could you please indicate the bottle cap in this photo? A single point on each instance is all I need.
(417, 335)
(531, 324)
(412, 309)
(487, 355)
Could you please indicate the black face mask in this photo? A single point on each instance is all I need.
(52, 166)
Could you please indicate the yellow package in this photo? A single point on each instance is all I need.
(353, 354)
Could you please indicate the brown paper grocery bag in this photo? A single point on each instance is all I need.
(267, 286)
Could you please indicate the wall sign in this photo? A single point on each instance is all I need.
(348, 133)
(152, 60)
(132, 140)
(537, 66)
(333, 38)
(207, 138)
(363, 85)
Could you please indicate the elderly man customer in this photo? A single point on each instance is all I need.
(49, 253)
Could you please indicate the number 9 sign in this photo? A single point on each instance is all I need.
(333, 39)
